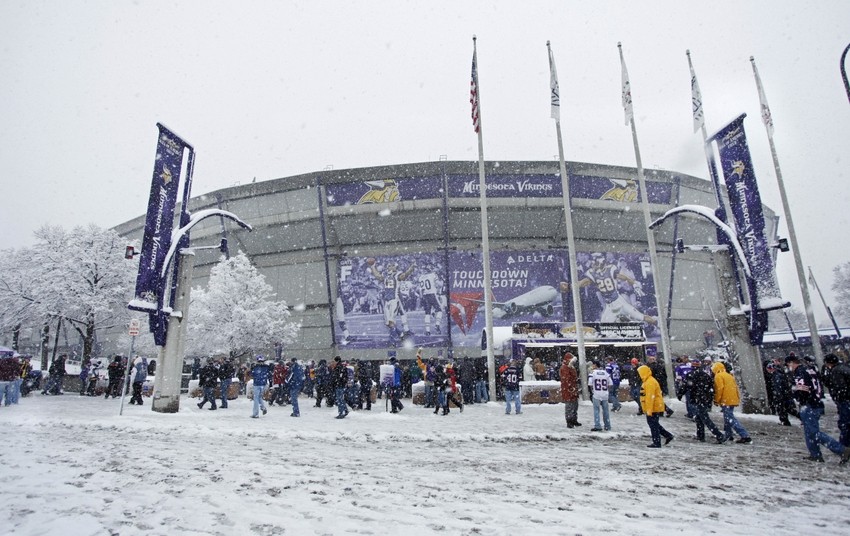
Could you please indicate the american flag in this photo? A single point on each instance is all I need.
(473, 94)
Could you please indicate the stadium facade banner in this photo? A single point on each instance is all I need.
(499, 186)
(745, 203)
(400, 300)
(391, 300)
(150, 284)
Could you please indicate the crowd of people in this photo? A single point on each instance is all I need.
(795, 388)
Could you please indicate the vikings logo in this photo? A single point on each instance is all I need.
(624, 191)
(382, 191)
(738, 168)
(166, 175)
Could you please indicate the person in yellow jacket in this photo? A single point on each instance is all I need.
(726, 396)
(652, 404)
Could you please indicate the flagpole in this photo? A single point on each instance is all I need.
(828, 310)
(650, 236)
(475, 99)
(792, 234)
(568, 219)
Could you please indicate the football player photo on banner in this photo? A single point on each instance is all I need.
(525, 287)
(391, 301)
(616, 288)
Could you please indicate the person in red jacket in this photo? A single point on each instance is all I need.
(570, 390)
(452, 390)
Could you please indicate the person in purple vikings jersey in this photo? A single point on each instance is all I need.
(605, 278)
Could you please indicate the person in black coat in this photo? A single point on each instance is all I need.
(783, 401)
(208, 382)
(839, 389)
(699, 385)
(364, 376)
(114, 372)
(339, 381)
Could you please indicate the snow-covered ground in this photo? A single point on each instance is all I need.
(72, 466)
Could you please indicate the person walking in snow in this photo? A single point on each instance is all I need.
(140, 374)
(364, 376)
(727, 397)
(208, 381)
(839, 390)
(115, 372)
(261, 374)
(225, 375)
(295, 381)
(452, 389)
(570, 390)
(660, 375)
(613, 370)
(652, 403)
(698, 386)
(339, 380)
(808, 391)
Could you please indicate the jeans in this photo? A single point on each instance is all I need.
(209, 396)
(441, 399)
(730, 423)
(690, 408)
(704, 421)
(6, 391)
(843, 422)
(613, 399)
(293, 397)
(429, 394)
(259, 390)
(339, 395)
(16, 390)
(481, 391)
(656, 430)
(606, 417)
(512, 395)
(814, 437)
(225, 386)
(634, 390)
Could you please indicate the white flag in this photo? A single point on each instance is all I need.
(553, 88)
(627, 91)
(696, 100)
(766, 118)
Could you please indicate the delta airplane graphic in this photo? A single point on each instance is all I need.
(464, 305)
(538, 300)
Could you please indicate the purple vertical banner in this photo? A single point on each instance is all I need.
(150, 284)
(745, 203)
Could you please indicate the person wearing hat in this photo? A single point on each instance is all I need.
(839, 390)
(208, 381)
(570, 389)
(339, 381)
(261, 374)
(652, 402)
(114, 371)
(510, 384)
(295, 381)
(783, 401)
(809, 393)
(631, 375)
(726, 396)
(395, 388)
(698, 387)
(226, 373)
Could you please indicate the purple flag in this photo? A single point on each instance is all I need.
(150, 285)
(745, 202)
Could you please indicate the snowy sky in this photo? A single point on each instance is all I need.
(272, 89)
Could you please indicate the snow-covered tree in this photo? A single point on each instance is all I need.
(18, 293)
(237, 313)
(841, 287)
(83, 278)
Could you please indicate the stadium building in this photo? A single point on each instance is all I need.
(379, 261)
